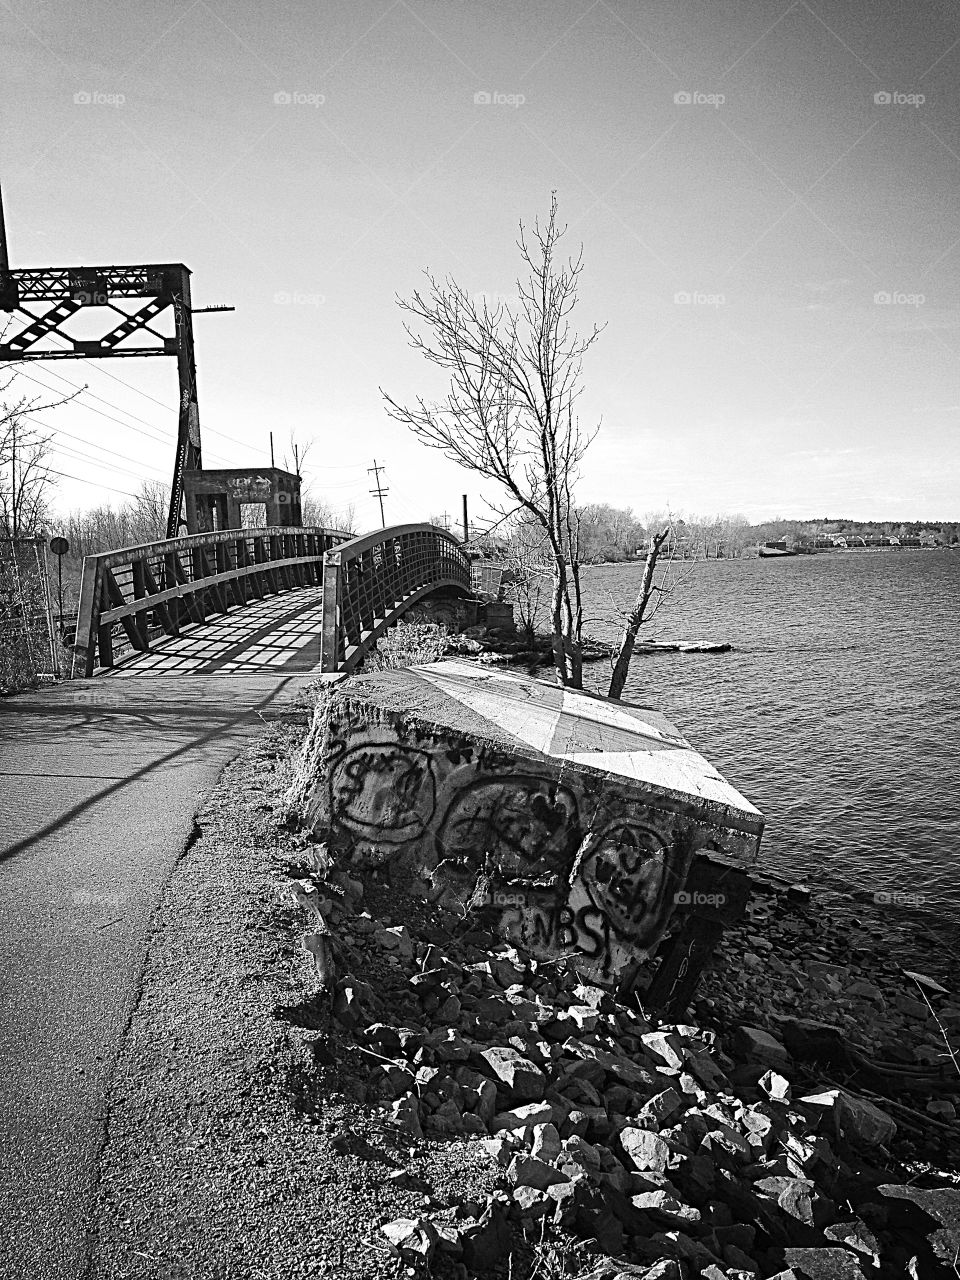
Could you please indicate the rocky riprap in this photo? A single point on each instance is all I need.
(614, 1145)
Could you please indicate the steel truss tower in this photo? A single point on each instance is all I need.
(42, 300)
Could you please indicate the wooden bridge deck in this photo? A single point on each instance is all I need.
(279, 633)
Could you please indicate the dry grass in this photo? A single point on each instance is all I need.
(409, 644)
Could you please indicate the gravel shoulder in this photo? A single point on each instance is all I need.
(263, 1123)
(208, 1169)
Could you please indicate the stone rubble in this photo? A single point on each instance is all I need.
(665, 1151)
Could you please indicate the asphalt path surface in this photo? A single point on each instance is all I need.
(100, 781)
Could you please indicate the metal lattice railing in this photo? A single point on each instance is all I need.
(140, 593)
(370, 581)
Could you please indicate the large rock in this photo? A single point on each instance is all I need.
(515, 1074)
(528, 1171)
(824, 1264)
(864, 1122)
(546, 1142)
(666, 1048)
(856, 1235)
(753, 1044)
(412, 1239)
(933, 1213)
(645, 1150)
(484, 1243)
(798, 1199)
(665, 1208)
(660, 1107)
(522, 1119)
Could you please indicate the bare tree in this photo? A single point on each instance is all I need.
(149, 511)
(674, 547)
(316, 513)
(649, 597)
(298, 452)
(510, 411)
(26, 477)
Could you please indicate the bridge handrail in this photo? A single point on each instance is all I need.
(369, 581)
(177, 581)
(190, 540)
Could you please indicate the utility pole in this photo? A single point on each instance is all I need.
(379, 491)
(466, 526)
(13, 476)
(271, 450)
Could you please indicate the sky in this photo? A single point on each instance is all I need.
(765, 192)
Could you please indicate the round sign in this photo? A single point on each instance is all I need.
(59, 546)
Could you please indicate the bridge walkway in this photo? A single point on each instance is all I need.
(279, 633)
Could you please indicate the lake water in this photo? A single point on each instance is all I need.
(836, 713)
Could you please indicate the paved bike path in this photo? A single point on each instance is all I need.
(99, 784)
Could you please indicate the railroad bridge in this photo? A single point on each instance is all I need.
(275, 598)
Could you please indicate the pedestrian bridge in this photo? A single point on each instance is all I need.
(242, 600)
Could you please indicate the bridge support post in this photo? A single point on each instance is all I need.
(330, 625)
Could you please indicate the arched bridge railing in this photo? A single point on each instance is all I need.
(158, 588)
(370, 581)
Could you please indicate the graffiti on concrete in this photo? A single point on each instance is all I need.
(386, 789)
(562, 860)
(519, 820)
(623, 874)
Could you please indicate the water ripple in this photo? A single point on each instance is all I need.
(837, 713)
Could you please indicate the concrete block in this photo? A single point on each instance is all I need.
(573, 819)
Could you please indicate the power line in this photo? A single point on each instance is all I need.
(130, 387)
(83, 391)
(85, 457)
(93, 396)
(91, 443)
(97, 368)
(96, 483)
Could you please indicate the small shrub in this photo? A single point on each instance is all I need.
(408, 644)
